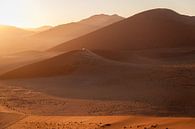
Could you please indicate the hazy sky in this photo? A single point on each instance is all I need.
(34, 13)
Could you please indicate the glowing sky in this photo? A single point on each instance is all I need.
(34, 13)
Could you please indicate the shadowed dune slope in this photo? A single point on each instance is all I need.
(59, 65)
(157, 28)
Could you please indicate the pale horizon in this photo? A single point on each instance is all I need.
(37, 13)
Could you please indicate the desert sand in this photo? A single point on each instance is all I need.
(26, 109)
(105, 122)
(136, 73)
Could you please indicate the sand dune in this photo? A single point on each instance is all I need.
(16, 40)
(158, 28)
(15, 60)
(163, 56)
(143, 65)
(59, 65)
(66, 32)
(82, 74)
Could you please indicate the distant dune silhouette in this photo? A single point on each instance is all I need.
(157, 28)
(11, 31)
(16, 40)
(8, 37)
(66, 32)
(40, 29)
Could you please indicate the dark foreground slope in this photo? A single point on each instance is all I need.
(158, 28)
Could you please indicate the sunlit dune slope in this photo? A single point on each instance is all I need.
(16, 40)
(66, 32)
(76, 29)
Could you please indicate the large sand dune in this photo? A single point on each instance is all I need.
(158, 28)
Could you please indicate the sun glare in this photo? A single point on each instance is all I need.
(35, 13)
(16, 13)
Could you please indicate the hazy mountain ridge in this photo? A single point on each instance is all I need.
(40, 29)
(73, 30)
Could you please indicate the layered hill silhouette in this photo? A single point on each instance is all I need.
(40, 29)
(157, 28)
(5, 31)
(82, 27)
(66, 32)
(25, 40)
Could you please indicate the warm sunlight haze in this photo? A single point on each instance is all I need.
(97, 64)
(35, 13)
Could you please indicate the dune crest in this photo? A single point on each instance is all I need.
(158, 28)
